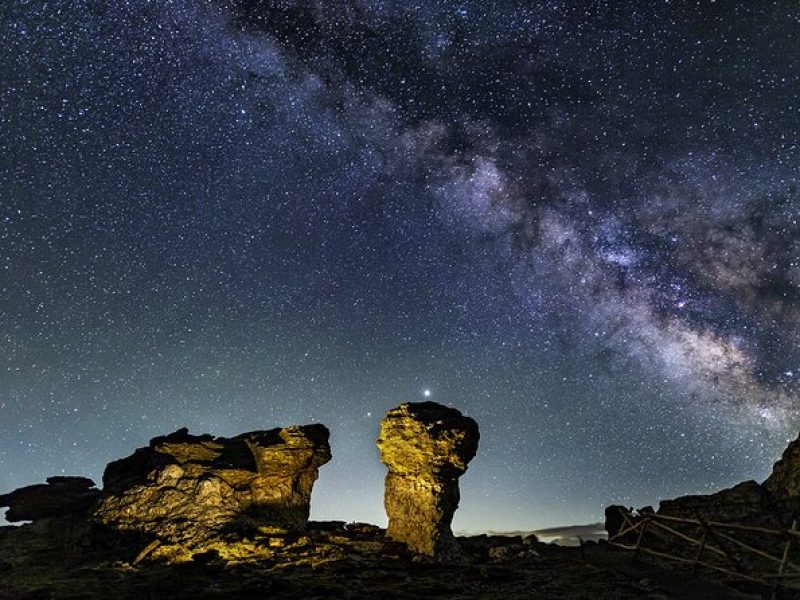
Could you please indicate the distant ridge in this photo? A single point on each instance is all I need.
(567, 535)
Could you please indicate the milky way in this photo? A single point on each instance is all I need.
(575, 221)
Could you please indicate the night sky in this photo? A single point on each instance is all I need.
(577, 222)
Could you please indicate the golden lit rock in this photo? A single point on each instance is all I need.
(426, 447)
(185, 488)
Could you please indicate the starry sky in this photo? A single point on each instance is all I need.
(576, 221)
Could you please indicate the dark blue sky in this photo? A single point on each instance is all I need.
(577, 222)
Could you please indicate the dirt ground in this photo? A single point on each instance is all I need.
(356, 567)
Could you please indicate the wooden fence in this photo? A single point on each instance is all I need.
(716, 546)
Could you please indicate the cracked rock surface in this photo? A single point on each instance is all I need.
(185, 488)
(426, 447)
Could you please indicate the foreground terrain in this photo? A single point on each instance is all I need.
(193, 516)
(328, 560)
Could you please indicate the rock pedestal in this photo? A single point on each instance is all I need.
(186, 488)
(426, 447)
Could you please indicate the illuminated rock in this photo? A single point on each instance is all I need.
(186, 488)
(426, 447)
(59, 497)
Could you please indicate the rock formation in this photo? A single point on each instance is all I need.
(771, 505)
(775, 503)
(784, 481)
(185, 488)
(614, 521)
(426, 447)
(746, 502)
(59, 497)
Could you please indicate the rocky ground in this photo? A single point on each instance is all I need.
(70, 560)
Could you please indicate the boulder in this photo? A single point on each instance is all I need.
(426, 447)
(59, 497)
(187, 488)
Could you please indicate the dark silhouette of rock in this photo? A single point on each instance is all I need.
(59, 497)
(772, 504)
(784, 481)
(614, 521)
(746, 503)
(426, 447)
(186, 488)
(328, 560)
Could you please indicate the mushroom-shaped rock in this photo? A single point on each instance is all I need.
(186, 488)
(59, 497)
(426, 447)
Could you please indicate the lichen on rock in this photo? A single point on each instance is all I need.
(426, 447)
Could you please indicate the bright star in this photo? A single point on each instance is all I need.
(426, 393)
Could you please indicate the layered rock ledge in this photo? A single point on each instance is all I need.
(426, 447)
(184, 488)
(59, 497)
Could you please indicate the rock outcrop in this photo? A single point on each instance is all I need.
(774, 504)
(426, 447)
(784, 481)
(185, 488)
(59, 497)
(614, 521)
(746, 503)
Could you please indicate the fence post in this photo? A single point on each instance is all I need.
(733, 560)
(700, 550)
(785, 559)
(645, 521)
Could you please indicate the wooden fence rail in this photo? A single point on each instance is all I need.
(717, 538)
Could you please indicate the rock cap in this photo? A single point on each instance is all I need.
(427, 436)
(426, 447)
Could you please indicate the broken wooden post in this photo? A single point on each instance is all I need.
(645, 521)
(785, 559)
(700, 551)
